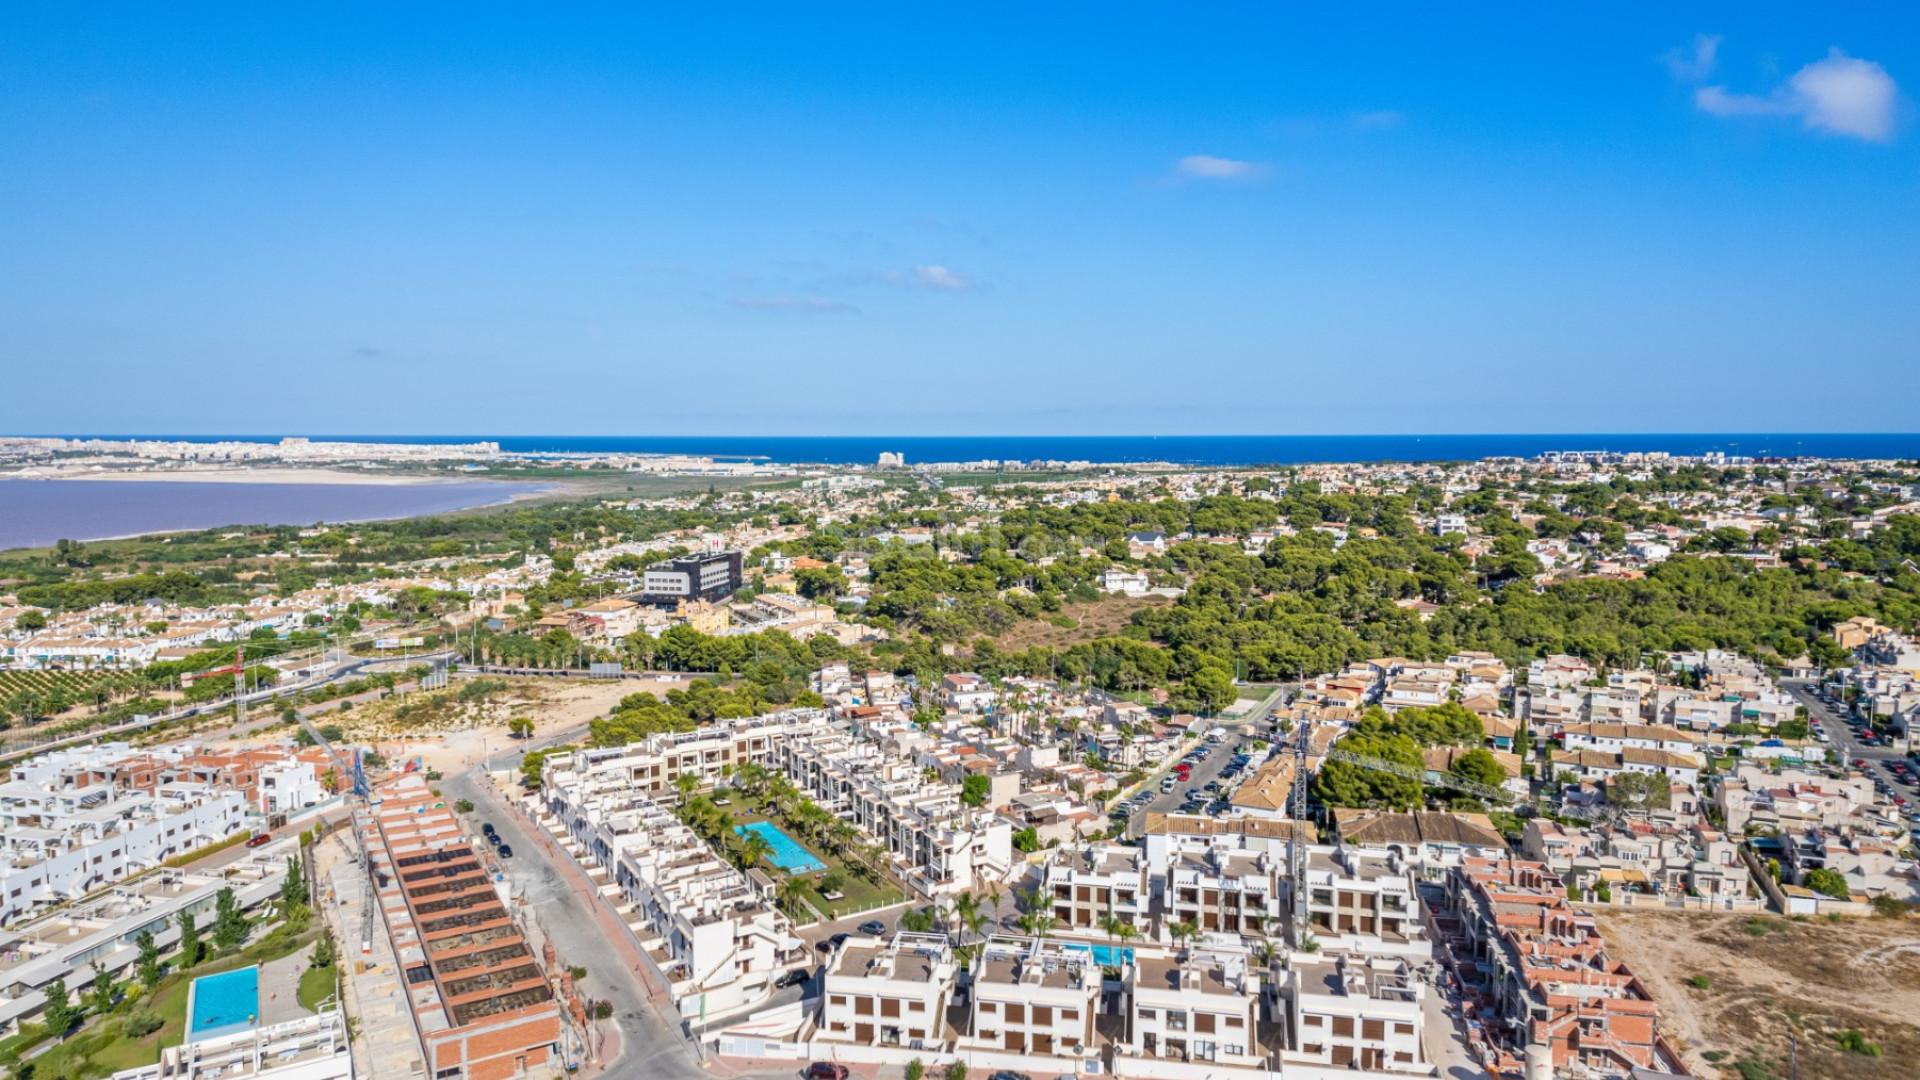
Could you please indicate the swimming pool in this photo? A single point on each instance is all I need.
(787, 855)
(223, 1004)
(1106, 955)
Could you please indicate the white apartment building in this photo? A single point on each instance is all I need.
(62, 843)
(1090, 883)
(717, 940)
(888, 993)
(1034, 996)
(1202, 1005)
(1349, 1012)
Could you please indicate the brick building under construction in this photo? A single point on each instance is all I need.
(482, 1005)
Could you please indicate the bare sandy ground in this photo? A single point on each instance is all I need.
(1735, 987)
(267, 475)
(453, 739)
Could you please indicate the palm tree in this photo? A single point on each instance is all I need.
(753, 849)
(788, 895)
(685, 784)
(1128, 932)
(1183, 932)
(1039, 923)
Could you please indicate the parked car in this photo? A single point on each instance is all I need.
(1009, 1075)
(506, 852)
(792, 978)
(873, 927)
(486, 828)
(259, 838)
(825, 1070)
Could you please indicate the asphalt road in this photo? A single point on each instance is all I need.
(1833, 721)
(652, 1045)
(1218, 757)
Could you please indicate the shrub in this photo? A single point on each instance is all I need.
(463, 806)
(141, 1022)
(916, 1069)
(1853, 1042)
(1700, 982)
(956, 1071)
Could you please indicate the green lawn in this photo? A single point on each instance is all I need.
(860, 894)
(317, 985)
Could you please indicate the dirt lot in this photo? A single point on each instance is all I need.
(1731, 988)
(1101, 618)
(450, 733)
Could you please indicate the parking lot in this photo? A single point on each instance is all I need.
(1209, 763)
(1892, 771)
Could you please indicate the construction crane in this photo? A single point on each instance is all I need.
(238, 669)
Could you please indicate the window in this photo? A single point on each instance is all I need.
(1176, 1021)
(1203, 1022)
(1313, 1048)
(1148, 1014)
(1016, 1014)
(889, 1007)
(1402, 1029)
(838, 999)
(989, 1006)
(1312, 1020)
(1343, 1025)
(863, 1006)
(1373, 1029)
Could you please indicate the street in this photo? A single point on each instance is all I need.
(1832, 720)
(1219, 755)
(559, 901)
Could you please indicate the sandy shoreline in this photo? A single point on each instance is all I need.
(281, 475)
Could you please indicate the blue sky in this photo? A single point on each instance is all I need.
(1023, 219)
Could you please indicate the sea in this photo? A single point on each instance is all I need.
(35, 513)
(38, 512)
(1180, 449)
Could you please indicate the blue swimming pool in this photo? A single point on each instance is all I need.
(787, 855)
(1107, 955)
(223, 1004)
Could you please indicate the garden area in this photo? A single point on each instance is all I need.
(113, 1024)
(853, 875)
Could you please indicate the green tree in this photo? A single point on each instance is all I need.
(100, 991)
(190, 944)
(520, 727)
(149, 965)
(1635, 791)
(293, 887)
(1828, 883)
(974, 790)
(322, 955)
(229, 925)
(1480, 767)
(59, 1013)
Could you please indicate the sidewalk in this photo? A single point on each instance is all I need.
(619, 935)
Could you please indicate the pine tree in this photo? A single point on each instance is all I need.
(229, 926)
(189, 941)
(149, 960)
(100, 994)
(293, 890)
(59, 1014)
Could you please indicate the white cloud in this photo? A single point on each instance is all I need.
(791, 303)
(1847, 96)
(1840, 95)
(941, 279)
(1698, 64)
(1208, 167)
